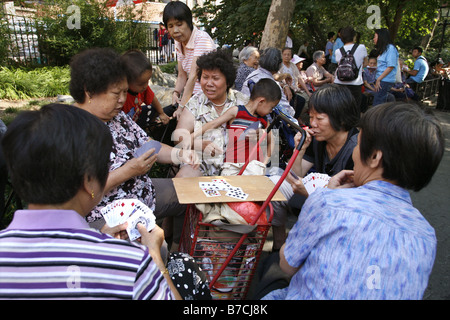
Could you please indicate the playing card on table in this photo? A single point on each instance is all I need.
(236, 193)
(211, 192)
(315, 180)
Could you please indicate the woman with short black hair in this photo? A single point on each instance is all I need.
(58, 159)
(332, 136)
(190, 43)
(216, 75)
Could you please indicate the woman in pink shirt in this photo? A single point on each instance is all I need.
(190, 43)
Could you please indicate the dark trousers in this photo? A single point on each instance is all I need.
(357, 94)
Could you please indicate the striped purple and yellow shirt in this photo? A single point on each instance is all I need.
(52, 254)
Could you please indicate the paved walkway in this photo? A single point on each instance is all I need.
(434, 203)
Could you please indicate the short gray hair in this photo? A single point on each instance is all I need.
(246, 53)
(317, 55)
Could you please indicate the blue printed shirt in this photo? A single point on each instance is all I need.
(360, 243)
(388, 58)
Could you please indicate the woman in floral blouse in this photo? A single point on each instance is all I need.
(99, 85)
(216, 75)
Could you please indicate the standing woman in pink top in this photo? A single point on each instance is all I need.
(190, 43)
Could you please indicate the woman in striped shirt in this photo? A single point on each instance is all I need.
(58, 158)
(190, 43)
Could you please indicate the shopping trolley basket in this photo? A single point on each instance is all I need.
(227, 254)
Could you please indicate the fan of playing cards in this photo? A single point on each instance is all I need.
(315, 180)
(212, 189)
(132, 211)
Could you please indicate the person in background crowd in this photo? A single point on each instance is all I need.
(387, 64)
(329, 49)
(360, 58)
(319, 76)
(248, 62)
(420, 71)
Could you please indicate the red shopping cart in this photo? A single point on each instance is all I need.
(227, 255)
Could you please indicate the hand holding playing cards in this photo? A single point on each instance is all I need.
(343, 179)
(118, 232)
(153, 240)
(297, 185)
(141, 165)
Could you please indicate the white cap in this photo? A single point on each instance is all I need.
(296, 59)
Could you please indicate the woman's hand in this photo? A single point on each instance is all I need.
(164, 118)
(153, 240)
(297, 185)
(210, 149)
(118, 232)
(141, 165)
(298, 137)
(186, 156)
(378, 85)
(343, 179)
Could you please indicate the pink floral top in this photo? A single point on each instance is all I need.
(127, 136)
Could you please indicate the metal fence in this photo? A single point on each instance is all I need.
(23, 42)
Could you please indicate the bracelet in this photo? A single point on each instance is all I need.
(178, 155)
(178, 94)
(164, 272)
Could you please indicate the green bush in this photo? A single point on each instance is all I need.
(98, 28)
(21, 83)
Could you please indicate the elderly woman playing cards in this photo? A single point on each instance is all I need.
(333, 118)
(99, 85)
(58, 158)
(368, 241)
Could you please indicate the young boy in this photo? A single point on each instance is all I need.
(369, 75)
(141, 105)
(265, 96)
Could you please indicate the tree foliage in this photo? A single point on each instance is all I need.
(234, 21)
(98, 28)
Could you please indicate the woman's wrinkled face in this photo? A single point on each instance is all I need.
(108, 104)
(287, 56)
(214, 85)
(253, 60)
(179, 30)
(321, 126)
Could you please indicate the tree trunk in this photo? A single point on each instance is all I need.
(277, 24)
(394, 24)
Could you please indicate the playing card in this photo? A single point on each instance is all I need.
(211, 192)
(128, 210)
(134, 220)
(147, 146)
(236, 193)
(315, 180)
